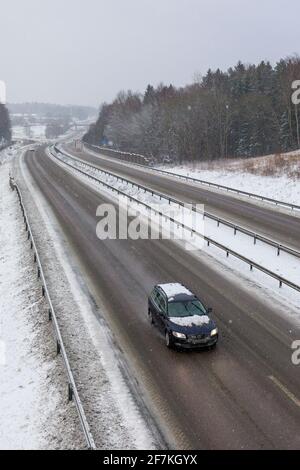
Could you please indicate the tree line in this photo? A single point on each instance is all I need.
(5, 126)
(243, 112)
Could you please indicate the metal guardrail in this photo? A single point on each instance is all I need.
(252, 264)
(128, 156)
(220, 221)
(73, 394)
(199, 181)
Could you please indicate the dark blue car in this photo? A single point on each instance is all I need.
(181, 317)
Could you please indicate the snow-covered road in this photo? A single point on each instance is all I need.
(285, 265)
(115, 414)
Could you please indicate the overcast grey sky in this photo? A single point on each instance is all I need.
(85, 51)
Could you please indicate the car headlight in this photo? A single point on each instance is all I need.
(179, 335)
(214, 332)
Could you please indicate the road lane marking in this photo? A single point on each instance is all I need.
(289, 394)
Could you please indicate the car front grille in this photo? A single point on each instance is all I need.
(197, 337)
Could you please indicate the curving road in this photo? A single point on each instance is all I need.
(244, 395)
(268, 221)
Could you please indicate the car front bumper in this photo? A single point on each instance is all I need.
(188, 344)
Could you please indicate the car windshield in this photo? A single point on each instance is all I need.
(188, 308)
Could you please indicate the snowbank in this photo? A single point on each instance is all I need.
(33, 409)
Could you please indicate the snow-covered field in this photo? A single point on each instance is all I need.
(281, 187)
(34, 413)
(36, 132)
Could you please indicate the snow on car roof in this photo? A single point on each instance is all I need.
(172, 290)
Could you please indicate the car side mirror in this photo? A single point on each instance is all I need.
(209, 310)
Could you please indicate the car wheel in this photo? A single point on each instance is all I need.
(169, 343)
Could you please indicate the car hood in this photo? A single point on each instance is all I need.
(192, 325)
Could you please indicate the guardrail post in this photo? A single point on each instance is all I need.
(50, 314)
(43, 291)
(70, 392)
(278, 251)
(58, 347)
(39, 273)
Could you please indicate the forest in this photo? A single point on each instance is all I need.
(5, 126)
(242, 112)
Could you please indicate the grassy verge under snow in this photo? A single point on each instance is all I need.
(274, 176)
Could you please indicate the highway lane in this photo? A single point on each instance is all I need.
(279, 226)
(209, 400)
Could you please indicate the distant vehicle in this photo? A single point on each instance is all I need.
(181, 318)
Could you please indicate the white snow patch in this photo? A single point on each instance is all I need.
(37, 132)
(11, 152)
(194, 320)
(174, 289)
(282, 188)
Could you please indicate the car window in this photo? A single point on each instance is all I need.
(186, 309)
(154, 298)
(161, 301)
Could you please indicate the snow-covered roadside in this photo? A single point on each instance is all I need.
(281, 188)
(278, 187)
(33, 407)
(116, 415)
(9, 153)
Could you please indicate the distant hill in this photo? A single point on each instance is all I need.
(46, 110)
